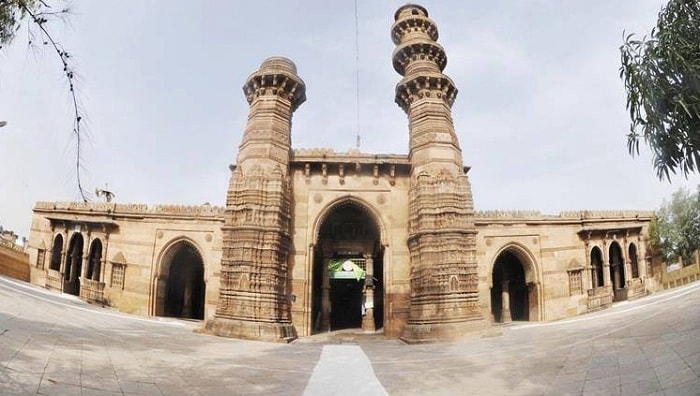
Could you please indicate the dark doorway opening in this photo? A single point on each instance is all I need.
(597, 267)
(617, 272)
(56, 252)
(509, 285)
(346, 303)
(184, 287)
(349, 232)
(74, 264)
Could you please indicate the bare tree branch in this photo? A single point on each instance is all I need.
(39, 18)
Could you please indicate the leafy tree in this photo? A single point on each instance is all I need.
(39, 14)
(661, 74)
(677, 229)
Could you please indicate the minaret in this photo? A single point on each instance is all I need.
(441, 235)
(253, 299)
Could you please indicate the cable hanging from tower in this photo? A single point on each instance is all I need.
(357, 78)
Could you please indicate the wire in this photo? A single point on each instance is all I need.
(357, 77)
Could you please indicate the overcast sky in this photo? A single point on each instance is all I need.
(540, 113)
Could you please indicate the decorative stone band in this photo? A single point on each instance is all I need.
(277, 76)
(411, 25)
(431, 53)
(288, 87)
(111, 208)
(436, 85)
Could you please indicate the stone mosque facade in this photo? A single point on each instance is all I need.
(313, 240)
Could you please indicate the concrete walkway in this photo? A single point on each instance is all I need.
(57, 345)
(343, 370)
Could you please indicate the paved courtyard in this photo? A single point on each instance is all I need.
(57, 345)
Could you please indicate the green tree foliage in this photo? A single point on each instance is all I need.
(12, 12)
(661, 74)
(677, 229)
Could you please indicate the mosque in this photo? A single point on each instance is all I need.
(313, 240)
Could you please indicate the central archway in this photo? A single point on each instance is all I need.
(74, 264)
(180, 287)
(514, 288)
(348, 270)
(617, 272)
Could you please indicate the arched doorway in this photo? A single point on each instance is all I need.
(513, 291)
(348, 270)
(617, 272)
(634, 265)
(180, 287)
(95, 261)
(74, 264)
(617, 267)
(56, 252)
(597, 267)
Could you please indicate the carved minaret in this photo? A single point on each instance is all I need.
(253, 299)
(442, 236)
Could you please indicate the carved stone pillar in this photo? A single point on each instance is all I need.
(442, 235)
(64, 259)
(325, 296)
(505, 302)
(607, 276)
(253, 296)
(368, 324)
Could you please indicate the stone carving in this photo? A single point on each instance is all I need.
(442, 235)
(256, 240)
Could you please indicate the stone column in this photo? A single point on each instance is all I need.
(64, 259)
(325, 296)
(505, 302)
(607, 276)
(256, 240)
(187, 301)
(589, 272)
(626, 263)
(441, 234)
(368, 324)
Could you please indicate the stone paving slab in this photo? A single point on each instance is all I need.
(57, 345)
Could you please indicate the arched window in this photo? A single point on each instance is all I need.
(634, 264)
(596, 267)
(56, 253)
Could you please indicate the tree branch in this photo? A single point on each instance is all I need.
(64, 56)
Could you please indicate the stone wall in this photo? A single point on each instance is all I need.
(135, 238)
(14, 262)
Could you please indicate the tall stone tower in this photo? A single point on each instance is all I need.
(253, 298)
(442, 235)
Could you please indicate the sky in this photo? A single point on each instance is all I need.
(540, 113)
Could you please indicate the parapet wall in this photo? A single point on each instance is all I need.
(566, 215)
(110, 208)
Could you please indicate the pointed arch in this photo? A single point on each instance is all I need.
(597, 267)
(179, 282)
(347, 229)
(56, 252)
(358, 203)
(634, 261)
(514, 277)
(74, 264)
(94, 269)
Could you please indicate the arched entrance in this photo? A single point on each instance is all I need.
(95, 261)
(180, 287)
(617, 271)
(513, 291)
(634, 264)
(74, 264)
(597, 267)
(348, 270)
(56, 252)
